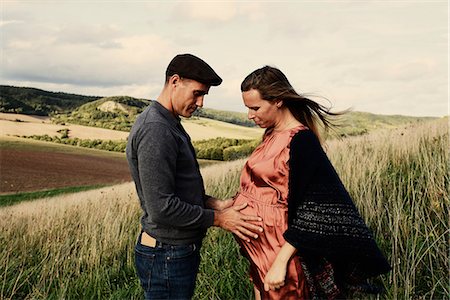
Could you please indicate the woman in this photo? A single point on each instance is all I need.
(315, 244)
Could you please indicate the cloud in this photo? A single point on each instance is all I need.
(253, 11)
(412, 70)
(206, 11)
(218, 12)
(101, 35)
(102, 57)
(4, 23)
(409, 70)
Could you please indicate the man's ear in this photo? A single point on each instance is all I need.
(174, 79)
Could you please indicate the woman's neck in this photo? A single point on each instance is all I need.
(286, 121)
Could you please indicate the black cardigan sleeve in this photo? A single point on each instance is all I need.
(323, 220)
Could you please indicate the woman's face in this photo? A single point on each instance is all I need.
(264, 113)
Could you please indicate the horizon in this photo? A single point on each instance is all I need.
(101, 97)
(381, 57)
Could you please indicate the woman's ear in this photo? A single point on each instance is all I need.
(279, 103)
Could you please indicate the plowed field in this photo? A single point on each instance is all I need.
(24, 169)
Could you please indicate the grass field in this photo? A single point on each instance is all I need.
(198, 129)
(10, 199)
(41, 146)
(81, 245)
(30, 125)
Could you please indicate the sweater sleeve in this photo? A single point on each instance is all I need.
(302, 167)
(157, 167)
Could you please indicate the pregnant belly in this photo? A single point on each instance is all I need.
(273, 215)
(250, 209)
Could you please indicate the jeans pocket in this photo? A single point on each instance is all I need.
(144, 259)
(182, 251)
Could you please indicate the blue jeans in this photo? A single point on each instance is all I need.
(167, 271)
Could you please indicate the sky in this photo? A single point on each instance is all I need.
(383, 57)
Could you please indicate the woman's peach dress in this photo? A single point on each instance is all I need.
(264, 186)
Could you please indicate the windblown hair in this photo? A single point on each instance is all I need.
(273, 85)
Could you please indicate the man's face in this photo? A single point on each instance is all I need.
(188, 96)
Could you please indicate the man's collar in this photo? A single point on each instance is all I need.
(174, 120)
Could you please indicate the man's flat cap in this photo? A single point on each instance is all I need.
(192, 67)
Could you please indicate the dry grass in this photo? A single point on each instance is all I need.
(399, 179)
(31, 125)
(202, 128)
(198, 129)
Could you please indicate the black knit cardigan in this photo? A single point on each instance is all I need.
(324, 225)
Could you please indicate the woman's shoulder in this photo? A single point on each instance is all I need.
(305, 137)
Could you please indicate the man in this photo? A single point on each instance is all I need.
(176, 211)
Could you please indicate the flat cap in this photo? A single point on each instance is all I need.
(192, 67)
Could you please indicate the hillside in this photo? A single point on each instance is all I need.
(238, 118)
(357, 123)
(33, 101)
(119, 112)
(198, 128)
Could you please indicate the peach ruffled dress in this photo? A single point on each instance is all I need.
(264, 186)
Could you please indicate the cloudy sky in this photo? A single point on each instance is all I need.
(386, 57)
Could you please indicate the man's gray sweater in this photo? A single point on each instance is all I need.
(169, 185)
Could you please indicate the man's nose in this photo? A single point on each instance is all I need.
(250, 114)
(199, 101)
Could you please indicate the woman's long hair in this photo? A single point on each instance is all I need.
(273, 85)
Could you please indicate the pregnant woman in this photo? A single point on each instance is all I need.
(315, 244)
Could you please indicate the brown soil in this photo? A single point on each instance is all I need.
(24, 170)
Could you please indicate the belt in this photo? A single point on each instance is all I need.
(149, 241)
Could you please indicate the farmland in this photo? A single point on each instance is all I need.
(29, 166)
(81, 245)
(17, 124)
(198, 128)
(28, 169)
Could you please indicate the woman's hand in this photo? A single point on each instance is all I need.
(217, 204)
(276, 276)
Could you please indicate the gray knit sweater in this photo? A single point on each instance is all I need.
(168, 181)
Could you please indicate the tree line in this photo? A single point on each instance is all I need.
(222, 149)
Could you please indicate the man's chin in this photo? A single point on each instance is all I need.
(187, 114)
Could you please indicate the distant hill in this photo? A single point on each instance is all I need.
(357, 123)
(233, 117)
(33, 101)
(119, 112)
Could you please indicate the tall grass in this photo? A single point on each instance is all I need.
(10, 199)
(81, 245)
(399, 179)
